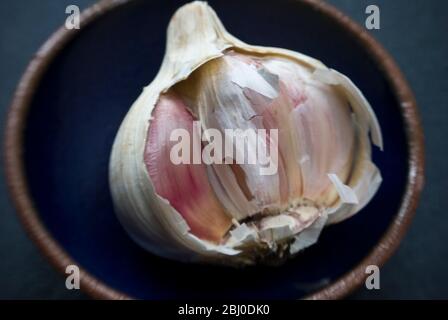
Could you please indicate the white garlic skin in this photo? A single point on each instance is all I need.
(197, 42)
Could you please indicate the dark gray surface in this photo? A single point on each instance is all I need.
(412, 31)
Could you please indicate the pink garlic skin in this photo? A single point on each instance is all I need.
(316, 133)
(316, 137)
(185, 186)
(321, 120)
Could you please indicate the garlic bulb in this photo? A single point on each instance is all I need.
(314, 125)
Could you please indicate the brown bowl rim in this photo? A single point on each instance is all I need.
(59, 258)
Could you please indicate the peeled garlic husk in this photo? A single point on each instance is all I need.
(227, 213)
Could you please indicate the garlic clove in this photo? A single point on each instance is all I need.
(184, 186)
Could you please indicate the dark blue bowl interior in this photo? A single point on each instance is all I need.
(87, 91)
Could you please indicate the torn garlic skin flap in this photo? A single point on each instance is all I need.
(313, 163)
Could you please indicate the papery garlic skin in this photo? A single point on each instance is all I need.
(226, 213)
(185, 186)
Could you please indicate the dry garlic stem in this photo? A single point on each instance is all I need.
(224, 102)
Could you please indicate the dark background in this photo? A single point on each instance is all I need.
(414, 32)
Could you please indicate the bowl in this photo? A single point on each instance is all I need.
(75, 92)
